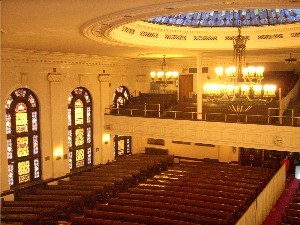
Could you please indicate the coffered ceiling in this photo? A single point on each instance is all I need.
(102, 28)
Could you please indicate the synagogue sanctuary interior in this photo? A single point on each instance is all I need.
(150, 112)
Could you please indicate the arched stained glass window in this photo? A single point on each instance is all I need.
(23, 137)
(121, 97)
(80, 131)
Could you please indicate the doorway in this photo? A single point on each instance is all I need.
(185, 87)
(122, 145)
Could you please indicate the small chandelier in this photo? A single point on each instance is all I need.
(164, 77)
(291, 60)
(239, 86)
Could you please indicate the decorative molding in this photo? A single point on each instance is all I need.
(104, 77)
(31, 56)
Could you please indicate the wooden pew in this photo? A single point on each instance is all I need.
(226, 201)
(161, 213)
(25, 219)
(180, 201)
(172, 207)
(46, 215)
(92, 221)
(223, 194)
(149, 220)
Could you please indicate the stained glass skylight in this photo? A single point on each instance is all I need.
(231, 18)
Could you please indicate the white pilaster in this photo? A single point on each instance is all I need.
(199, 85)
(106, 150)
(58, 110)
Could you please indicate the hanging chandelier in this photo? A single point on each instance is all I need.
(240, 86)
(164, 77)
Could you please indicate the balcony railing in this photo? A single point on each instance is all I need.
(153, 111)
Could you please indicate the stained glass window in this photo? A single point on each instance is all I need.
(71, 160)
(70, 138)
(79, 137)
(22, 132)
(79, 158)
(89, 155)
(21, 118)
(36, 164)
(34, 121)
(78, 112)
(8, 102)
(121, 97)
(9, 149)
(31, 99)
(35, 143)
(87, 97)
(24, 171)
(22, 146)
(89, 135)
(11, 174)
(69, 117)
(88, 115)
(8, 123)
(80, 132)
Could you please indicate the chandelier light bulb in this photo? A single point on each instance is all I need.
(269, 90)
(260, 71)
(169, 74)
(160, 74)
(257, 88)
(219, 71)
(152, 75)
(251, 71)
(175, 74)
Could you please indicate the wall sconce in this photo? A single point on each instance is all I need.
(234, 149)
(58, 153)
(106, 138)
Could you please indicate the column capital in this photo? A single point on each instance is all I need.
(104, 78)
(55, 77)
(142, 78)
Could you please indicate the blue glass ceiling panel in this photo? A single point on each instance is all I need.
(231, 18)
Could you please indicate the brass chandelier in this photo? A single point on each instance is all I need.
(240, 86)
(164, 77)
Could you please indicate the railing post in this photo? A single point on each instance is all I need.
(145, 110)
(268, 115)
(159, 110)
(293, 117)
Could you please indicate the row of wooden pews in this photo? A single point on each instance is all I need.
(48, 203)
(187, 193)
(292, 215)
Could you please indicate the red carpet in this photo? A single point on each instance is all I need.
(277, 212)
